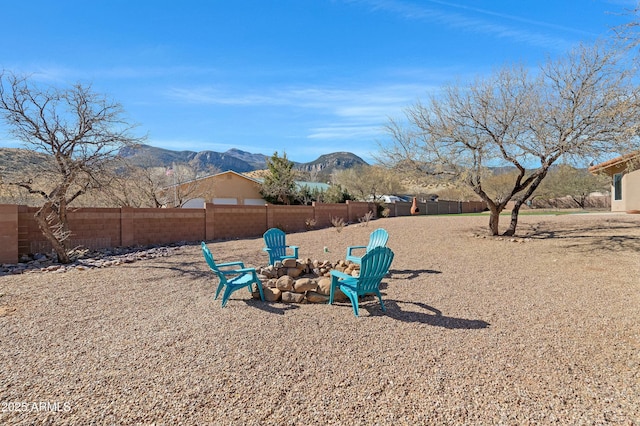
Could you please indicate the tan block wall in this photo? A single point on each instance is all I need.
(96, 228)
(358, 210)
(8, 233)
(30, 238)
(227, 221)
(289, 218)
(162, 226)
(325, 212)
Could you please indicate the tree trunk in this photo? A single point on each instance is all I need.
(494, 219)
(514, 219)
(49, 234)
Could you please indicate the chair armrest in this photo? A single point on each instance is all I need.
(293, 247)
(340, 275)
(351, 248)
(221, 265)
(238, 271)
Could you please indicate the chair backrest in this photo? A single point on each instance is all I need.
(375, 265)
(275, 239)
(212, 264)
(378, 238)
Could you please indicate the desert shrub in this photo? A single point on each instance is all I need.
(337, 223)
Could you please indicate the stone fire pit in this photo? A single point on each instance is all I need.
(302, 280)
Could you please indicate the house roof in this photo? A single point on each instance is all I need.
(300, 184)
(602, 167)
(319, 186)
(214, 175)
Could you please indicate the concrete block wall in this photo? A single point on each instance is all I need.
(234, 221)
(289, 218)
(8, 233)
(96, 228)
(30, 238)
(162, 226)
(357, 210)
(325, 212)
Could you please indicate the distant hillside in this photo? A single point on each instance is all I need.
(334, 161)
(13, 160)
(234, 159)
(149, 156)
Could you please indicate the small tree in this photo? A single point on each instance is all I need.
(79, 129)
(278, 186)
(335, 194)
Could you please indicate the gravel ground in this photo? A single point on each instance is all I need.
(540, 329)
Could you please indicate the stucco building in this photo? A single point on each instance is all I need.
(222, 188)
(625, 181)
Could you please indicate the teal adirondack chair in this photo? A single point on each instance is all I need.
(378, 238)
(276, 246)
(240, 277)
(375, 265)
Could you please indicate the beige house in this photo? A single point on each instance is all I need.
(222, 188)
(625, 181)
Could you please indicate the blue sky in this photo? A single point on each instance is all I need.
(305, 77)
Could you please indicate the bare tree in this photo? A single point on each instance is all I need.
(368, 183)
(79, 129)
(577, 108)
(568, 181)
(180, 185)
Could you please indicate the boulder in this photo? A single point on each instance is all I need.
(304, 284)
(324, 286)
(291, 297)
(294, 272)
(314, 297)
(271, 282)
(284, 283)
(271, 294)
(290, 263)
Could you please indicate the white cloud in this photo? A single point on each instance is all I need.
(476, 20)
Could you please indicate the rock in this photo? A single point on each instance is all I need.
(339, 296)
(294, 272)
(291, 297)
(314, 297)
(284, 283)
(290, 263)
(268, 272)
(304, 284)
(271, 282)
(324, 286)
(271, 294)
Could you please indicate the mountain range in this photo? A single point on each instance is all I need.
(16, 159)
(234, 159)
